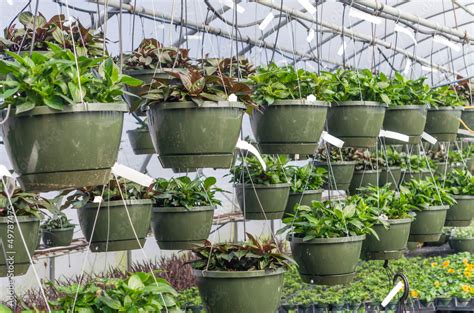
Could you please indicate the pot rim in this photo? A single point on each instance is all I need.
(301, 101)
(444, 108)
(74, 108)
(307, 192)
(58, 229)
(261, 186)
(461, 239)
(238, 274)
(327, 240)
(391, 168)
(463, 197)
(191, 105)
(359, 104)
(318, 163)
(435, 208)
(21, 218)
(151, 71)
(367, 171)
(413, 107)
(157, 209)
(399, 221)
(137, 130)
(115, 203)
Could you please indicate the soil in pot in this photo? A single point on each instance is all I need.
(392, 242)
(178, 228)
(57, 237)
(316, 257)
(302, 198)
(78, 151)
(113, 230)
(462, 244)
(363, 178)
(428, 224)
(140, 141)
(262, 202)
(390, 175)
(17, 261)
(339, 174)
(462, 212)
(240, 292)
(357, 123)
(187, 136)
(409, 120)
(443, 123)
(289, 126)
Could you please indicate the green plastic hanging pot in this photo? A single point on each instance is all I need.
(443, 169)
(392, 242)
(262, 202)
(303, 198)
(467, 117)
(443, 123)
(240, 292)
(327, 261)
(61, 237)
(113, 230)
(188, 136)
(358, 123)
(140, 141)
(428, 224)
(17, 262)
(390, 176)
(461, 213)
(289, 126)
(407, 176)
(72, 148)
(470, 165)
(363, 178)
(462, 244)
(409, 120)
(178, 228)
(342, 171)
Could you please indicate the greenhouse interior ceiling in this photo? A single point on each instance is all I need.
(236, 156)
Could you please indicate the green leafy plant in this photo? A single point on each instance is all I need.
(57, 221)
(364, 158)
(330, 219)
(446, 96)
(253, 255)
(231, 67)
(67, 34)
(305, 178)
(415, 163)
(185, 192)
(53, 80)
(151, 54)
(272, 83)
(402, 91)
(425, 193)
(463, 232)
(24, 203)
(391, 157)
(250, 171)
(335, 154)
(460, 182)
(194, 86)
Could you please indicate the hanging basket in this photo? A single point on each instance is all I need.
(443, 123)
(72, 148)
(188, 136)
(113, 231)
(409, 120)
(392, 242)
(390, 176)
(467, 117)
(363, 178)
(462, 245)
(240, 292)
(305, 198)
(428, 224)
(461, 213)
(357, 123)
(262, 202)
(289, 126)
(407, 176)
(61, 237)
(327, 261)
(140, 141)
(17, 262)
(178, 228)
(342, 171)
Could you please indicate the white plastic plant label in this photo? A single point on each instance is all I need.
(465, 132)
(244, 145)
(232, 98)
(311, 98)
(131, 174)
(429, 138)
(97, 199)
(266, 21)
(4, 171)
(332, 140)
(394, 135)
(308, 6)
(392, 293)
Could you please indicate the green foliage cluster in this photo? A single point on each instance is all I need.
(446, 96)
(425, 193)
(185, 192)
(57, 221)
(306, 177)
(250, 171)
(231, 67)
(459, 182)
(402, 91)
(24, 203)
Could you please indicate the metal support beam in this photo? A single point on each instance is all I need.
(350, 33)
(380, 7)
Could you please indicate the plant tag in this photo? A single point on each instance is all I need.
(266, 21)
(244, 145)
(332, 140)
(392, 293)
(232, 98)
(429, 138)
(97, 199)
(394, 135)
(465, 132)
(4, 171)
(311, 35)
(8, 180)
(308, 6)
(231, 4)
(405, 31)
(131, 174)
(311, 98)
